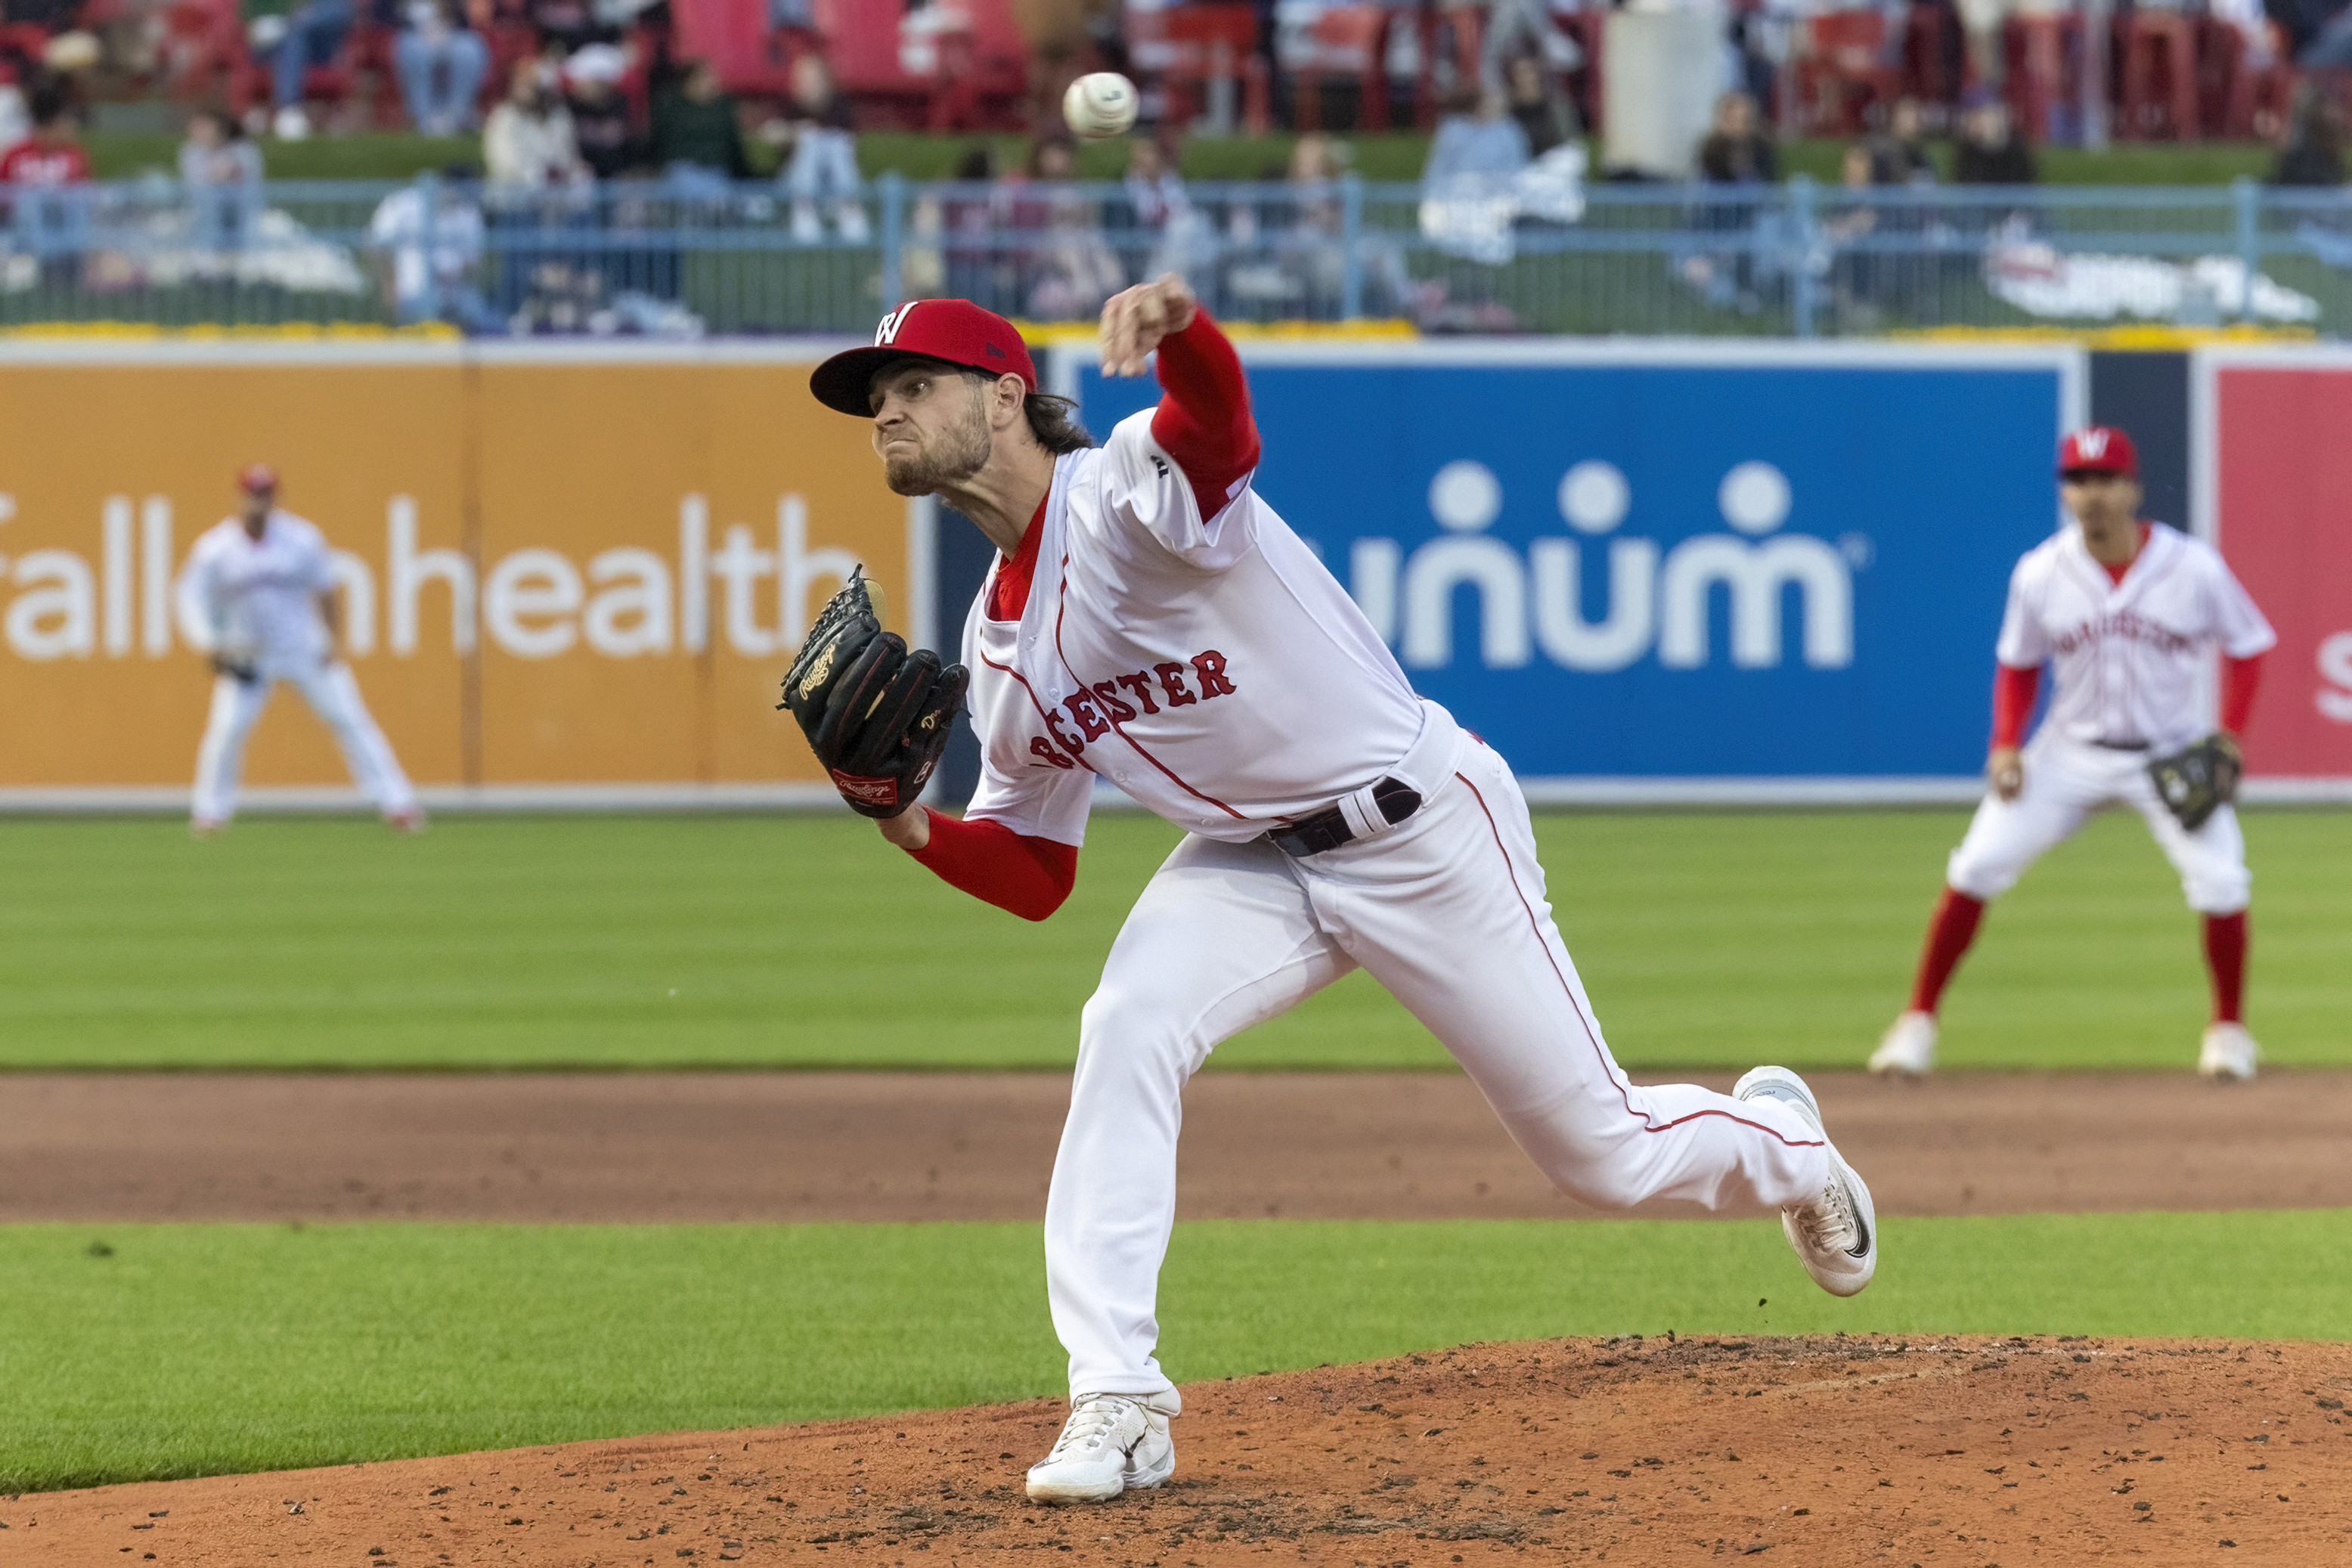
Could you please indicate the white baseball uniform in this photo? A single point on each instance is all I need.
(2129, 661)
(1215, 671)
(253, 603)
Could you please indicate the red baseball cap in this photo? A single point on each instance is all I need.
(2098, 449)
(254, 479)
(954, 331)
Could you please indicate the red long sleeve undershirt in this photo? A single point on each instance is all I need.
(1015, 871)
(2013, 691)
(1204, 421)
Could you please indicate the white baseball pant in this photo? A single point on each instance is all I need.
(2066, 782)
(334, 695)
(1447, 911)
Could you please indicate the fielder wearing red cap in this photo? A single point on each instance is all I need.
(2129, 614)
(258, 597)
(1152, 625)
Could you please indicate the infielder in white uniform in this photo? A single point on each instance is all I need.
(1152, 622)
(2130, 616)
(257, 596)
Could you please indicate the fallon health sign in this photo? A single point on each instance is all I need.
(556, 570)
(1658, 563)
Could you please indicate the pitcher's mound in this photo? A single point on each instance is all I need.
(1931, 1451)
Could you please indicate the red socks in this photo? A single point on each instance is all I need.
(1948, 935)
(2225, 956)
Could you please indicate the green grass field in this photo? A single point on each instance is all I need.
(1399, 155)
(1706, 940)
(197, 1350)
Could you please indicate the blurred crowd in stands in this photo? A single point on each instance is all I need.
(629, 117)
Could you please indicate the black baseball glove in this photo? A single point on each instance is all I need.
(877, 715)
(2197, 781)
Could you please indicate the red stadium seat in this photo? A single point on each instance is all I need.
(2158, 96)
(1843, 65)
(979, 82)
(1349, 41)
(735, 38)
(1186, 48)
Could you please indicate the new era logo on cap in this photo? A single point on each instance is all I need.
(956, 332)
(2098, 449)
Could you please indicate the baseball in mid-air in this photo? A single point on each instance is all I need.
(1100, 105)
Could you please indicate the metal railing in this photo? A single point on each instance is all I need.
(656, 258)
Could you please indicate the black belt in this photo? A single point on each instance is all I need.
(2121, 745)
(1328, 829)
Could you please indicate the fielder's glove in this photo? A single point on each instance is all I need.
(876, 716)
(243, 672)
(2197, 781)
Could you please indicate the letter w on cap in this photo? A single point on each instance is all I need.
(888, 332)
(2091, 443)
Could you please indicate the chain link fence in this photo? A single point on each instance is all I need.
(1541, 253)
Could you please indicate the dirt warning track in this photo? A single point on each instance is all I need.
(645, 1147)
(1943, 1452)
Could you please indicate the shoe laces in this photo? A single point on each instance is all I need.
(1831, 1224)
(1089, 1425)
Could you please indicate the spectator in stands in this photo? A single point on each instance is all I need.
(1544, 114)
(1853, 277)
(528, 141)
(294, 38)
(697, 140)
(1163, 230)
(600, 123)
(221, 170)
(1736, 151)
(430, 248)
(977, 266)
(1477, 138)
(48, 215)
(1512, 27)
(1070, 269)
(824, 164)
(2313, 152)
(440, 62)
(1992, 150)
(1899, 154)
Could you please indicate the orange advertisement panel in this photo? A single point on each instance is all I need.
(554, 569)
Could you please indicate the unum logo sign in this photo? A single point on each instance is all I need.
(1656, 599)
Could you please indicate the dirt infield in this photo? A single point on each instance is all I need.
(1951, 1452)
(1802, 1452)
(903, 1146)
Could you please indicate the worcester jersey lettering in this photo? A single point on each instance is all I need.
(2128, 655)
(257, 598)
(1211, 668)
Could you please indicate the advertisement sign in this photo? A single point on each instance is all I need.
(555, 571)
(1767, 571)
(2276, 498)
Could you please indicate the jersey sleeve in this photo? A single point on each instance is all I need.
(1025, 875)
(318, 561)
(195, 605)
(2024, 642)
(2237, 626)
(1039, 799)
(1178, 474)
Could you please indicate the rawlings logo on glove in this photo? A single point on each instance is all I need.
(877, 715)
(2198, 781)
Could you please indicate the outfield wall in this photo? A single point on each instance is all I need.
(568, 577)
(1654, 572)
(1676, 573)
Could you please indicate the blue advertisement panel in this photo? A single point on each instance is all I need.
(1669, 562)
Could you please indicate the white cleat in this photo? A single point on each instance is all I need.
(1908, 1046)
(1110, 1445)
(1836, 1235)
(2227, 1054)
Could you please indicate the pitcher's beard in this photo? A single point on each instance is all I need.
(955, 457)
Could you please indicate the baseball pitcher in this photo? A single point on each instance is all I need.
(1152, 622)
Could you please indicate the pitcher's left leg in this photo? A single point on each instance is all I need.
(1449, 913)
